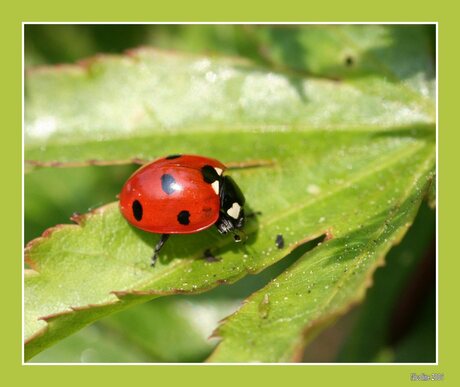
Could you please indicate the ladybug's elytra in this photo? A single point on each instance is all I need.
(182, 194)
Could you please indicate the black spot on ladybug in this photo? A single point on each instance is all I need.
(183, 217)
(209, 174)
(170, 157)
(168, 184)
(137, 210)
(279, 241)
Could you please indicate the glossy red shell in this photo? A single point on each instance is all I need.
(160, 210)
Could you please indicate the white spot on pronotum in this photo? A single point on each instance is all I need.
(218, 170)
(215, 187)
(234, 211)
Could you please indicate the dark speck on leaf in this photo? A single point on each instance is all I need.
(279, 241)
(349, 61)
(209, 257)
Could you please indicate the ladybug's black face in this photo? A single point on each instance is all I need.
(231, 206)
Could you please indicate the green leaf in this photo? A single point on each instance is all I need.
(145, 332)
(348, 159)
(117, 109)
(93, 344)
(371, 330)
(432, 193)
(52, 195)
(327, 280)
(400, 53)
(357, 189)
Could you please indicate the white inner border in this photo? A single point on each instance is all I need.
(249, 364)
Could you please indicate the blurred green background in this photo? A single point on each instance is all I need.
(396, 323)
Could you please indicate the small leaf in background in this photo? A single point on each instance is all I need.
(53, 195)
(340, 121)
(172, 329)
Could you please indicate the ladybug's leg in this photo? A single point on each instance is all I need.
(159, 245)
(225, 224)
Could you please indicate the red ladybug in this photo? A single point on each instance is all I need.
(182, 194)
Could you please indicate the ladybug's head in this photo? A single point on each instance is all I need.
(232, 200)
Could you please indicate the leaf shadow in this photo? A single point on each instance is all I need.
(405, 39)
(186, 246)
(416, 132)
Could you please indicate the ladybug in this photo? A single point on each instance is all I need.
(182, 194)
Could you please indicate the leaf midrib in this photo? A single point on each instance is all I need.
(246, 129)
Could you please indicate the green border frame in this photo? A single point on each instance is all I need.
(237, 10)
